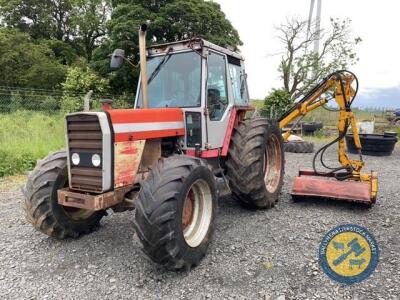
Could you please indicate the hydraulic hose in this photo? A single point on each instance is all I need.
(335, 170)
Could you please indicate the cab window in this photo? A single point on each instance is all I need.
(217, 96)
(174, 81)
(239, 87)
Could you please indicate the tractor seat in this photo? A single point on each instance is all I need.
(214, 103)
(213, 96)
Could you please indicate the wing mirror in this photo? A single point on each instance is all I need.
(117, 58)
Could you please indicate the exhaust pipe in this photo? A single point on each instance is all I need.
(143, 64)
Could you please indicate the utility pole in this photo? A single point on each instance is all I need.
(318, 27)
(310, 14)
(317, 23)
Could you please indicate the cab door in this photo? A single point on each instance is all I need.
(217, 99)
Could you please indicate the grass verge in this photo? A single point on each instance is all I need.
(27, 136)
(10, 183)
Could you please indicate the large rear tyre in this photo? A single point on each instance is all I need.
(41, 204)
(255, 164)
(175, 212)
(298, 147)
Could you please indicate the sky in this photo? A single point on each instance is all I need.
(376, 22)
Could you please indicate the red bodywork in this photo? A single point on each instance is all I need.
(309, 184)
(127, 161)
(132, 127)
(235, 117)
(144, 124)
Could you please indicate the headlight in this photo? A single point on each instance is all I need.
(75, 159)
(96, 160)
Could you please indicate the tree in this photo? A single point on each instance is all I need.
(77, 23)
(88, 20)
(63, 51)
(169, 20)
(300, 67)
(24, 63)
(42, 19)
(184, 19)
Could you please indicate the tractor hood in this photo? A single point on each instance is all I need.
(143, 124)
(105, 148)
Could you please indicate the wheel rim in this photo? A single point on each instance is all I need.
(272, 164)
(197, 213)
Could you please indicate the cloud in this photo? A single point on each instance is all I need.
(379, 98)
(376, 22)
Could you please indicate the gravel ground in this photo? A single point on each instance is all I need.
(254, 254)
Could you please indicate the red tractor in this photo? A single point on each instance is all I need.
(188, 138)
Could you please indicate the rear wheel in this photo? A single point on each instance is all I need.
(255, 164)
(175, 212)
(41, 202)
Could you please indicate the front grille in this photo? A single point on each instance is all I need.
(85, 138)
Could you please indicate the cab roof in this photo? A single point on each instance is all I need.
(194, 44)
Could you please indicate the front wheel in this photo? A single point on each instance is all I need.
(41, 202)
(175, 212)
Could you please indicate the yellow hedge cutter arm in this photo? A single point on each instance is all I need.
(345, 182)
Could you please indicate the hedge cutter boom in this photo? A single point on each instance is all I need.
(345, 182)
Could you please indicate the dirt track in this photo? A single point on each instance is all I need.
(254, 254)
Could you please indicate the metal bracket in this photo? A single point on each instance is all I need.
(70, 198)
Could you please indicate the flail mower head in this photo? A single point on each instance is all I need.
(310, 184)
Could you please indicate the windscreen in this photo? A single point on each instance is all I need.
(174, 80)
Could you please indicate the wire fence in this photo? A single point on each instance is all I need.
(52, 101)
(55, 101)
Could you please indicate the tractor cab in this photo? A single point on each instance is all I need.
(204, 80)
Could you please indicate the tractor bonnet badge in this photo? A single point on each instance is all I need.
(348, 253)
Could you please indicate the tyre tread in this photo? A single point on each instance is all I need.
(37, 193)
(299, 147)
(245, 156)
(155, 210)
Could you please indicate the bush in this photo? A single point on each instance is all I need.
(80, 81)
(71, 104)
(27, 63)
(276, 103)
